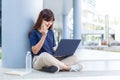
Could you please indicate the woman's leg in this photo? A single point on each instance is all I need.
(73, 63)
(38, 62)
(45, 59)
(71, 60)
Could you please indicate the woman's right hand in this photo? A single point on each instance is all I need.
(44, 30)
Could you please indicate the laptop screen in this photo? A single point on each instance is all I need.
(67, 47)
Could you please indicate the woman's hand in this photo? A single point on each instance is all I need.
(54, 48)
(44, 30)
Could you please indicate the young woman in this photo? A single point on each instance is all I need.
(43, 45)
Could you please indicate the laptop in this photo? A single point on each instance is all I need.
(66, 47)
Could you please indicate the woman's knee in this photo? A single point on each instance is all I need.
(75, 59)
(46, 56)
(43, 54)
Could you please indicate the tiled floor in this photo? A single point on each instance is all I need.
(97, 65)
(80, 78)
(83, 75)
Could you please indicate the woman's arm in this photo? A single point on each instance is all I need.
(38, 46)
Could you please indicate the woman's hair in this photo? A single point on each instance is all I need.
(45, 14)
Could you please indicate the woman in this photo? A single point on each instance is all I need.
(42, 43)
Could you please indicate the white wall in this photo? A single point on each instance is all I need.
(18, 17)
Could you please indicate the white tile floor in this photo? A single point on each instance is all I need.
(97, 65)
(81, 78)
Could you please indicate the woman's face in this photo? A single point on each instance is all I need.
(47, 24)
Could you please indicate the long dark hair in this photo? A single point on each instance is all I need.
(45, 14)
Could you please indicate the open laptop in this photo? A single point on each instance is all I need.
(66, 47)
